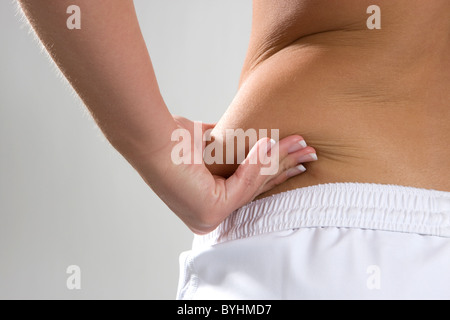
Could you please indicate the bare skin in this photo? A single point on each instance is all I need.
(108, 65)
(375, 104)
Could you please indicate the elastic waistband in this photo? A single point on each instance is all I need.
(343, 205)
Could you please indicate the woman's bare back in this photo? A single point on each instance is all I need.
(375, 103)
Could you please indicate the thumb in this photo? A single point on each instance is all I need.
(244, 185)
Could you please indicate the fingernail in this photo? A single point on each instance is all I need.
(295, 171)
(308, 158)
(297, 146)
(270, 145)
(303, 143)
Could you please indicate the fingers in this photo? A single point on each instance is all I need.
(242, 186)
(248, 181)
(293, 157)
(294, 152)
(257, 175)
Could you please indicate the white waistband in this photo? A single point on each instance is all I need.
(343, 205)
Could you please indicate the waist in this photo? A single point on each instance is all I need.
(343, 205)
(370, 122)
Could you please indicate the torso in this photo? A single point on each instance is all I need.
(375, 104)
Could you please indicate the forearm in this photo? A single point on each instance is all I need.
(108, 65)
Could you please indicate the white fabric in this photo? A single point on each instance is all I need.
(334, 241)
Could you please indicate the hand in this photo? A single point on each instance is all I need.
(202, 200)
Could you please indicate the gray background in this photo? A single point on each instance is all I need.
(66, 196)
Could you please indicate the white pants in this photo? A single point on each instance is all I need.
(334, 241)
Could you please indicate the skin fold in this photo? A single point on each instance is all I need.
(109, 66)
(375, 104)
